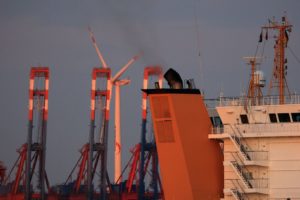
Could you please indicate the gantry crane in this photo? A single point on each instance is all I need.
(32, 155)
(144, 158)
(2, 172)
(146, 146)
(93, 158)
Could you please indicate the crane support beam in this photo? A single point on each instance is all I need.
(38, 113)
(97, 74)
(148, 71)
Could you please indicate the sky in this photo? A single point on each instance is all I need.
(201, 39)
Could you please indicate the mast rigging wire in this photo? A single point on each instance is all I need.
(196, 23)
(293, 53)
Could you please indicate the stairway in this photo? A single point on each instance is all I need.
(236, 194)
(237, 139)
(240, 171)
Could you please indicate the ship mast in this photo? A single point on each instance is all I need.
(254, 93)
(280, 69)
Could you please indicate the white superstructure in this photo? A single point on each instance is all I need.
(260, 135)
(261, 147)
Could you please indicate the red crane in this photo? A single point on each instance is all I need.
(144, 158)
(32, 154)
(93, 158)
(2, 172)
(148, 146)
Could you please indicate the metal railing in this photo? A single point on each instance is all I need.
(258, 183)
(238, 189)
(244, 101)
(254, 155)
(237, 137)
(245, 176)
(270, 127)
(258, 155)
(293, 128)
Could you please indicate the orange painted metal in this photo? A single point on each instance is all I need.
(133, 170)
(190, 163)
(279, 70)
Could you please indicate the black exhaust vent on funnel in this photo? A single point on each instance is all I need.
(173, 78)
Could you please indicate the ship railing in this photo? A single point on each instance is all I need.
(218, 130)
(238, 164)
(245, 101)
(254, 155)
(260, 128)
(227, 128)
(258, 183)
(237, 137)
(267, 128)
(237, 188)
(258, 155)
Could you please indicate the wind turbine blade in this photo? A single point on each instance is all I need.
(97, 49)
(125, 67)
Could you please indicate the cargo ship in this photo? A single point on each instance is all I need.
(260, 134)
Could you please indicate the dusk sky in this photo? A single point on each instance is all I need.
(201, 39)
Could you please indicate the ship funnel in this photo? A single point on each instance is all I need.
(173, 78)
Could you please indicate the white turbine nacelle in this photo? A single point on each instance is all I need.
(122, 82)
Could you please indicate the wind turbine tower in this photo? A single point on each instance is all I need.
(117, 82)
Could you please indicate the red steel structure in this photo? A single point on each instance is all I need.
(32, 156)
(148, 146)
(130, 191)
(15, 188)
(144, 160)
(100, 148)
(2, 172)
(280, 68)
(38, 102)
(94, 154)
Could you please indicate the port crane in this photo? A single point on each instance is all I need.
(32, 155)
(144, 158)
(93, 158)
(2, 172)
(145, 145)
(95, 153)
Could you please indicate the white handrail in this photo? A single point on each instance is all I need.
(293, 128)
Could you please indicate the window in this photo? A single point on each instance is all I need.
(273, 118)
(296, 117)
(216, 121)
(212, 121)
(284, 117)
(244, 119)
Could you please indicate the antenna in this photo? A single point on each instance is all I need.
(256, 82)
(280, 69)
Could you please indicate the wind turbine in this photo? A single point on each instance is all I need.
(117, 82)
